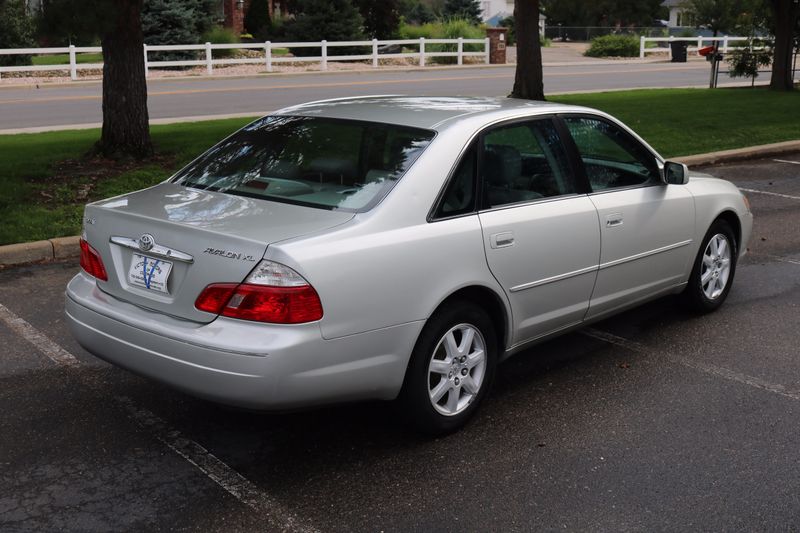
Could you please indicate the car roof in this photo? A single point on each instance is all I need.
(429, 112)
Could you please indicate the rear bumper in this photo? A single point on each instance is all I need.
(260, 366)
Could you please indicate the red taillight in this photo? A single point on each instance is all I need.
(91, 261)
(262, 303)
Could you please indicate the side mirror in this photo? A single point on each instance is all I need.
(676, 173)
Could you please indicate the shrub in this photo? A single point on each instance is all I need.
(745, 62)
(614, 46)
(176, 22)
(256, 20)
(469, 10)
(451, 29)
(16, 31)
(220, 35)
(332, 20)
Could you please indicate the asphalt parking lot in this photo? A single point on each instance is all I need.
(653, 420)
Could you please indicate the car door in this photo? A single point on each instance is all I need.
(646, 225)
(540, 229)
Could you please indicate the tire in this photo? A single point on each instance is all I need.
(714, 269)
(446, 381)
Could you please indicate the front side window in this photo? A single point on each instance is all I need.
(524, 162)
(317, 162)
(612, 158)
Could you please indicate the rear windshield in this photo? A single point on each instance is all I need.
(325, 163)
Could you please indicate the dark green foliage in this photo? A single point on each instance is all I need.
(331, 20)
(381, 17)
(177, 22)
(16, 31)
(469, 10)
(64, 22)
(614, 46)
(220, 35)
(716, 15)
(256, 20)
(580, 13)
(416, 12)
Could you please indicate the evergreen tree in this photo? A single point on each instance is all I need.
(381, 17)
(256, 20)
(177, 22)
(416, 12)
(469, 10)
(16, 31)
(331, 20)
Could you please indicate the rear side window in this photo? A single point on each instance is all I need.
(325, 163)
(459, 197)
(523, 162)
(612, 158)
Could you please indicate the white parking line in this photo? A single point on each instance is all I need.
(787, 161)
(770, 193)
(715, 370)
(52, 350)
(223, 475)
(227, 478)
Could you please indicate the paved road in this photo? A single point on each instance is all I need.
(655, 420)
(81, 103)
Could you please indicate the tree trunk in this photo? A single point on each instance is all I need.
(528, 81)
(786, 13)
(126, 128)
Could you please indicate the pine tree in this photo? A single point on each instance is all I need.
(331, 20)
(469, 10)
(176, 22)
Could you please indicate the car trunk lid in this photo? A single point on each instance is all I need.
(163, 245)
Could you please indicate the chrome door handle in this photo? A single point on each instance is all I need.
(614, 219)
(501, 240)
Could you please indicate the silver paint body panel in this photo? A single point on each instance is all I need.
(382, 273)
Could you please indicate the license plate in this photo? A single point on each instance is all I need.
(149, 273)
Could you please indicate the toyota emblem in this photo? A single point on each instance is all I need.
(146, 242)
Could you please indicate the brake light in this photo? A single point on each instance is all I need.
(271, 293)
(91, 262)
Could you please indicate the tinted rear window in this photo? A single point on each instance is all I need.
(325, 163)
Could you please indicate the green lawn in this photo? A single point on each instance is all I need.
(40, 200)
(63, 59)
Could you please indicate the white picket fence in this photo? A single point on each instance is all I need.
(268, 59)
(698, 42)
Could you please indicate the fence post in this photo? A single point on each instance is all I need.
(323, 62)
(374, 53)
(641, 47)
(460, 50)
(671, 38)
(146, 67)
(209, 64)
(486, 49)
(268, 55)
(422, 51)
(725, 44)
(699, 43)
(73, 66)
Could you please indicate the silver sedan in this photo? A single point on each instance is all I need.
(394, 248)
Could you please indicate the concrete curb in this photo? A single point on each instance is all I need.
(67, 247)
(39, 251)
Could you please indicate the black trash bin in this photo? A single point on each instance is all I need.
(678, 51)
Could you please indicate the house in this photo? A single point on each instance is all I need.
(678, 17)
(493, 11)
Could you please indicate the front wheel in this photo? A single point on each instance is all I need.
(451, 369)
(714, 267)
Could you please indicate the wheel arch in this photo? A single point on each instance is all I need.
(732, 219)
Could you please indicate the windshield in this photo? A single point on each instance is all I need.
(317, 162)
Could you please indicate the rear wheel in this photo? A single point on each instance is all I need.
(714, 267)
(451, 369)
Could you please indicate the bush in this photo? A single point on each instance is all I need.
(469, 10)
(256, 20)
(176, 22)
(614, 46)
(220, 35)
(416, 12)
(332, 20)
(451, 29)
(745, 63)
(16, 31)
